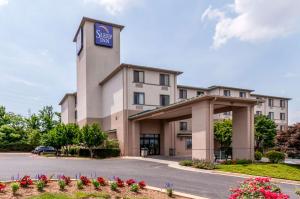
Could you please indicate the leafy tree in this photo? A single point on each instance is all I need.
(91, 136)
(70, 135)
(48, 119)
(34, 138)
(289, 140)
(265, 132)
(33, 122)
(223, 132)
(9, 134)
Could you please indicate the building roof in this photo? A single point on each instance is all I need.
(85, 19)
(229, 87)
(65, 97)
(270, 96)
(121, 66)
(191, 87)
(189, 101)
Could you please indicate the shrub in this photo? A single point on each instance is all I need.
(101, 181)
(67, 179)
(61, 184)
(40, 185)
(43, 178)
(100, 153)
(134, 188)
(96, 184)
(2, 187)
(16, 146)
(243, 161)
(275, 156)
(297, 192)
(85, 181)
(169, 189)
(258, 155)
(26, 181)
(187, 163)
(142, 184)
(15, 187)
(202, 164)
(257, 188)
(130, 182)
(79, 185)
(113, 186)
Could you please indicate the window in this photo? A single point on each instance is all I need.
(182, 94)
(227, 113)
(242, 94)
(164, 80)
(282, 116)
(258, 113)
(282, 103)
(183, 126)
(271, 115)
(188, 143)
(164, 100)
(75, 115)
(282, 128)
(139, 98)
(226, 93)
(75, 101)
(138, 76)
(271, 102)
(200, 93)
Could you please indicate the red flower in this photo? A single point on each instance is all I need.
(119, 182)
(44, 179)
(67, 179)
(101, 181)
(142, 184)
(26, 181)
(85, 180)
(130, 182)
(2, 186)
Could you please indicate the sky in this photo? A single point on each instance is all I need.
(252, 44)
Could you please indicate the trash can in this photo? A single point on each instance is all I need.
(144, 152)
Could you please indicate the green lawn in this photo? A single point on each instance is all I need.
(283, 171)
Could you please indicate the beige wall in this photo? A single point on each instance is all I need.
(68, 110)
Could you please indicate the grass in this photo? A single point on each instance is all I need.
(282, 171)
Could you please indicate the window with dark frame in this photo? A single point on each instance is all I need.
(282, 128)
(242, 94)
(270, 102)
(164, 80)
(282, 116)
(200, 93)
(139, 98)
(271, 115)
(282, 103)
(182, 93)
(258, 112)
(183, 126)
(226, 93)
(188, 143)
(138, 76)
(164, 100)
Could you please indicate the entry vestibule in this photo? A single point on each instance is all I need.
(201, 111)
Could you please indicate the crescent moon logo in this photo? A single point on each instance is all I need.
(105, 28)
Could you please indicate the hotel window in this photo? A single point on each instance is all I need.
(258, 113)
(183, 126)
(75, 115)
(138, 76)
(282, 116)
(242, 94)
(164, 80)
(139, 98)
(271, 102)
(227, 113)
(271, 115)
(282, 128)
(226, 93)
(182, 94)
(200, 93)
(188, 143)
(75, 101)
(282, 103)
(164, 100)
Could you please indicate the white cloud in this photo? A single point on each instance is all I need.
(254, 20)
(3, 2)
(114, 6)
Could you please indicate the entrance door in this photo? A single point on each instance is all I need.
(151, 142)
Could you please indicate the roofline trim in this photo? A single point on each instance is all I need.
(65, 97)
(277, 97)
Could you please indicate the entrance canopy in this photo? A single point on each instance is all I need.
(201, 110)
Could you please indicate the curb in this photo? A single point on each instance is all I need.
(176, 193)
(176, 165)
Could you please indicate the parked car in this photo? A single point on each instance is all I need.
(43, 149)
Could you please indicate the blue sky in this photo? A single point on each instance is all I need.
(241, 43)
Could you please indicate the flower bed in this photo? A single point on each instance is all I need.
(82, 188)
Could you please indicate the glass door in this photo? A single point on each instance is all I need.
(150, 142)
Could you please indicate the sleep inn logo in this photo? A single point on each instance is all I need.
(103, 35)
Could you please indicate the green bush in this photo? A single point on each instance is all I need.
(134, 188)
(96, 183)
(79, 185)
(112, 144)
(40, 185)
(16, 146)
(258, 155)
(243, 161)
(15, 187)
(187, 163)
(100, 153)
(275, 156)
(113, 186)
(202, 164)
(62, 185)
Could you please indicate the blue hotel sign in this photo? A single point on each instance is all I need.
(103, 35)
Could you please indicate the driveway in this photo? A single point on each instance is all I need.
(155, 174)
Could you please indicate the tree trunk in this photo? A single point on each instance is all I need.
(91, 152)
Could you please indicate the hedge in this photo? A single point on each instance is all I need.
(16, 147)
(100, 153)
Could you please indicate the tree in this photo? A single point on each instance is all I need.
(48, 119)
(34, 138)
(70, 135)
(265, 132)
(223, 132)
(289, 140)
(91, 136)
